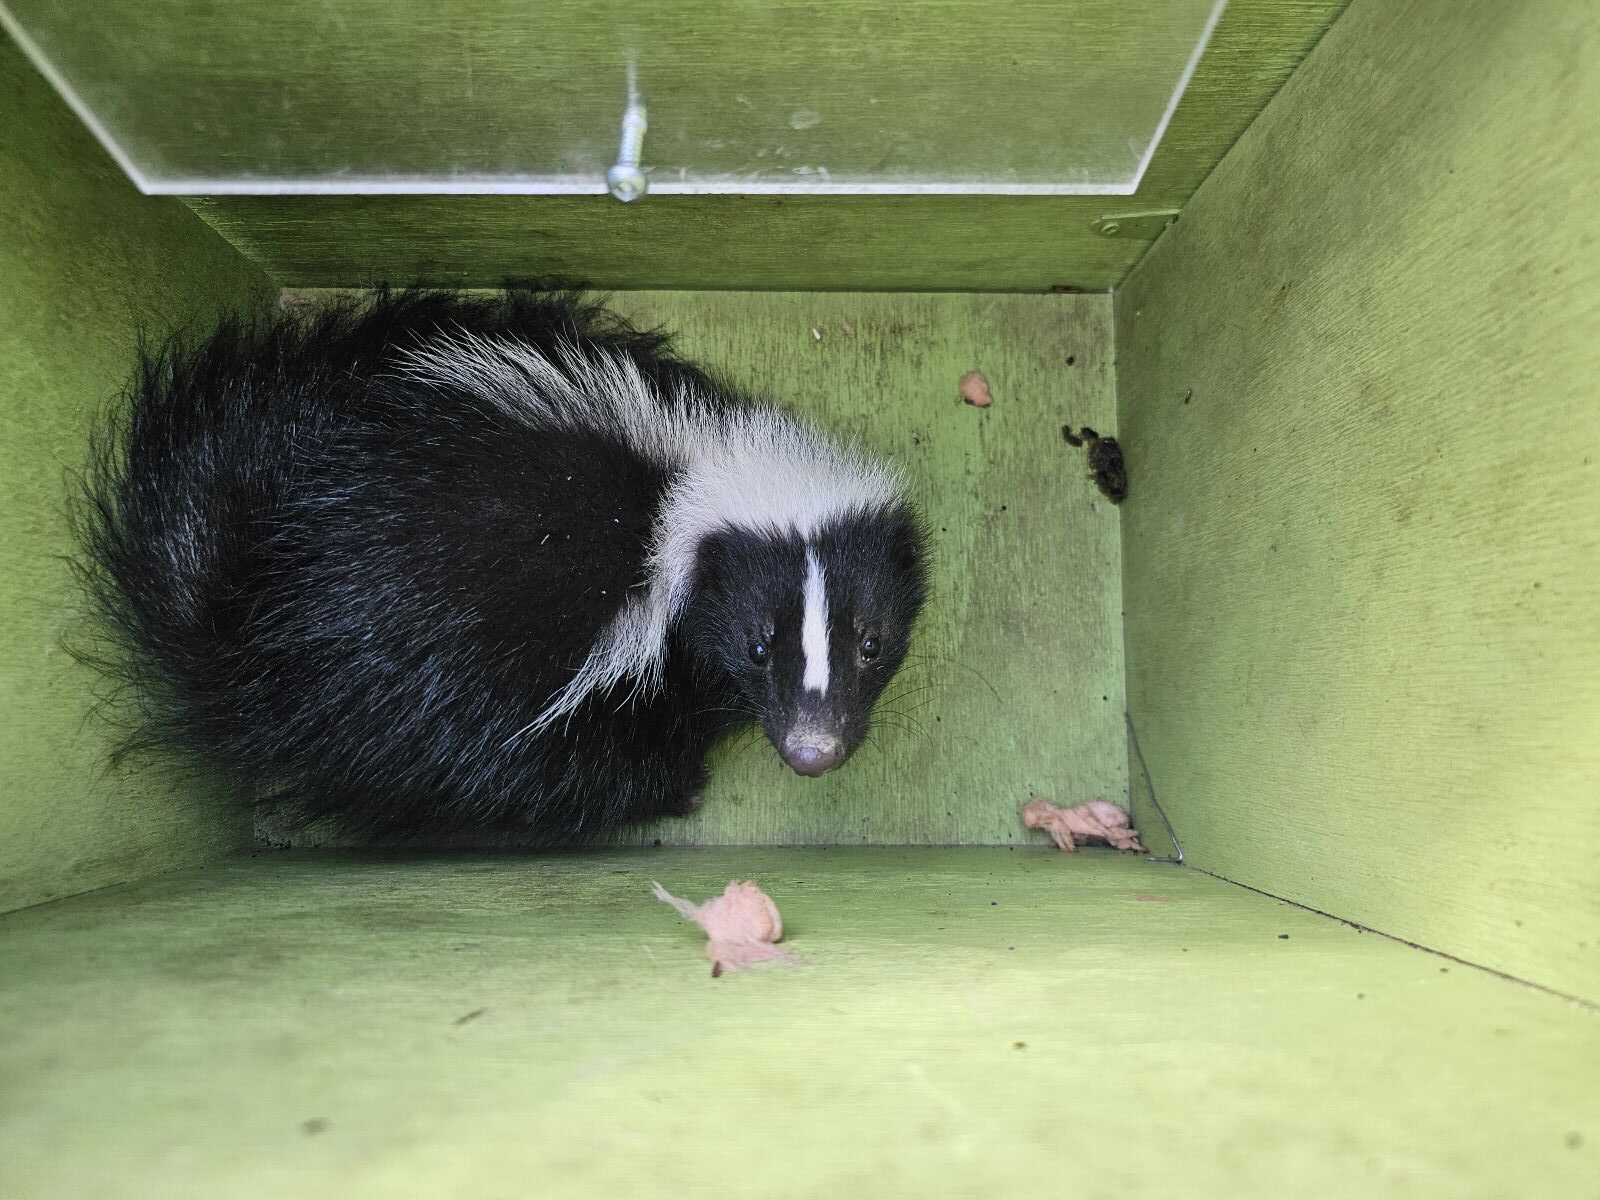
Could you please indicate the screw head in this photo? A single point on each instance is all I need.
(626, 182)
(1110, 229)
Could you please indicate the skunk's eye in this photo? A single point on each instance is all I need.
(758, 653)
(869, 649)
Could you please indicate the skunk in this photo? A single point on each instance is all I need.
(427, 563)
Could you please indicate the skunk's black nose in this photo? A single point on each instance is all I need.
(813, 755)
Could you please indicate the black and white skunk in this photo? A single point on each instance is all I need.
(430, 563)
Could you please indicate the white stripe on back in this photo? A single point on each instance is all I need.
(814, 631)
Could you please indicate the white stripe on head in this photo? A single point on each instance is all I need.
(814, 630)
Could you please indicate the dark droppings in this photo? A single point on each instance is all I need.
(314, 1126)
(716, 970)
(1106, 466)
(1107, 469)
(471, 1016)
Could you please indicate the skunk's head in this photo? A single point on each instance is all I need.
(807, 631)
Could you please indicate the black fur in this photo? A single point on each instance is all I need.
(358, 592)
(750, 588)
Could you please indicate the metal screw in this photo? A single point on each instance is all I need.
(1110, 229)
(625, 180)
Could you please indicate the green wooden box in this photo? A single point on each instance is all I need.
(1351, 608)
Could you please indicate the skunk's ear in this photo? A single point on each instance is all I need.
(711, 562)
(908, 542)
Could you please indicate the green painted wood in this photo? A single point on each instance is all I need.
(794, 243)
(799, 243)
(1362, 556)
(967, 1023)
(1020, 654)
(85, 261)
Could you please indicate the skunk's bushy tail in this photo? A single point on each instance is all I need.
(188, 476)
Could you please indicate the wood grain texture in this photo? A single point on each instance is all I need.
(799, 243)
(967, 1023)
(86, 263)
(1362, 568)
(1018, 664)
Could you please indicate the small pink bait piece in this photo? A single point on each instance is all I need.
(1071, 827)
(975, 389)
(741, 925)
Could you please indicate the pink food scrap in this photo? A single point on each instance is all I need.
(975, 390)
(741, 925)
(1072, 827)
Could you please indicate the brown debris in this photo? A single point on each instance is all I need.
(1106, 466)
(741, 925)
(1071, 827)
(975, 390)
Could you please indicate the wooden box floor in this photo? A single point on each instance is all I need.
(967, 1022)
